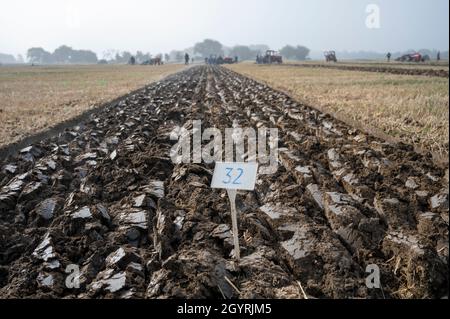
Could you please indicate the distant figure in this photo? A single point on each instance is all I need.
(439, 56)
(236, 59)
(389, 55)
(186, 59)
(212, 59)
(192, 60)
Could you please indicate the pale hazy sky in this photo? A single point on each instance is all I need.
(160, 26)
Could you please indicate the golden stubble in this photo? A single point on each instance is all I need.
(35, 98)
(413, 109)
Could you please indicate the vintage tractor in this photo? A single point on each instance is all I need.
(153, 61)
(156, 61)
(270, 57)
(228, 60)
(413, 57)
(220, 60)
(330, 56)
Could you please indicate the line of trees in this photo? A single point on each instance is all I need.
(67, 55)
(10, 59)
(64, 55)
(210, 47)
(7, 58)
(118, 57)
(299, 52)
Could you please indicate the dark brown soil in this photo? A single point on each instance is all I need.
(105, 196)
(379, 69)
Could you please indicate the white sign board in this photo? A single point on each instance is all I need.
(237, 175)
(234, 176)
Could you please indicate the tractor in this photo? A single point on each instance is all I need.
(228, 60)
(330, 56)
(153, 61)
(413, 57)
(269, 58)
(220, 60)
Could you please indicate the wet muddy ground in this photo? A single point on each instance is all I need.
(380, 69)
(104, 196)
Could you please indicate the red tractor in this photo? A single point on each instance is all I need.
(270, 58)
(228, 60)
(413, 57)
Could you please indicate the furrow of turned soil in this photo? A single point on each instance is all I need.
(106, 197)
(381, 69)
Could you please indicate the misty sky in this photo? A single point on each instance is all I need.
(160, 26)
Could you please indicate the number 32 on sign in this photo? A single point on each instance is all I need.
(235, 176)
(232, 177)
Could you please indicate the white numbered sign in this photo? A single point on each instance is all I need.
(235, 176)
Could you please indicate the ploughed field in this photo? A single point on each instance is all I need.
(437, 70)
(106, 197)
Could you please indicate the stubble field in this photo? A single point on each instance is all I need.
(412, 109)
(38, 97)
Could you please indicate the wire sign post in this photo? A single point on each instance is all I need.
(233, 177)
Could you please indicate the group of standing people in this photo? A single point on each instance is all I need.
(213, 59)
